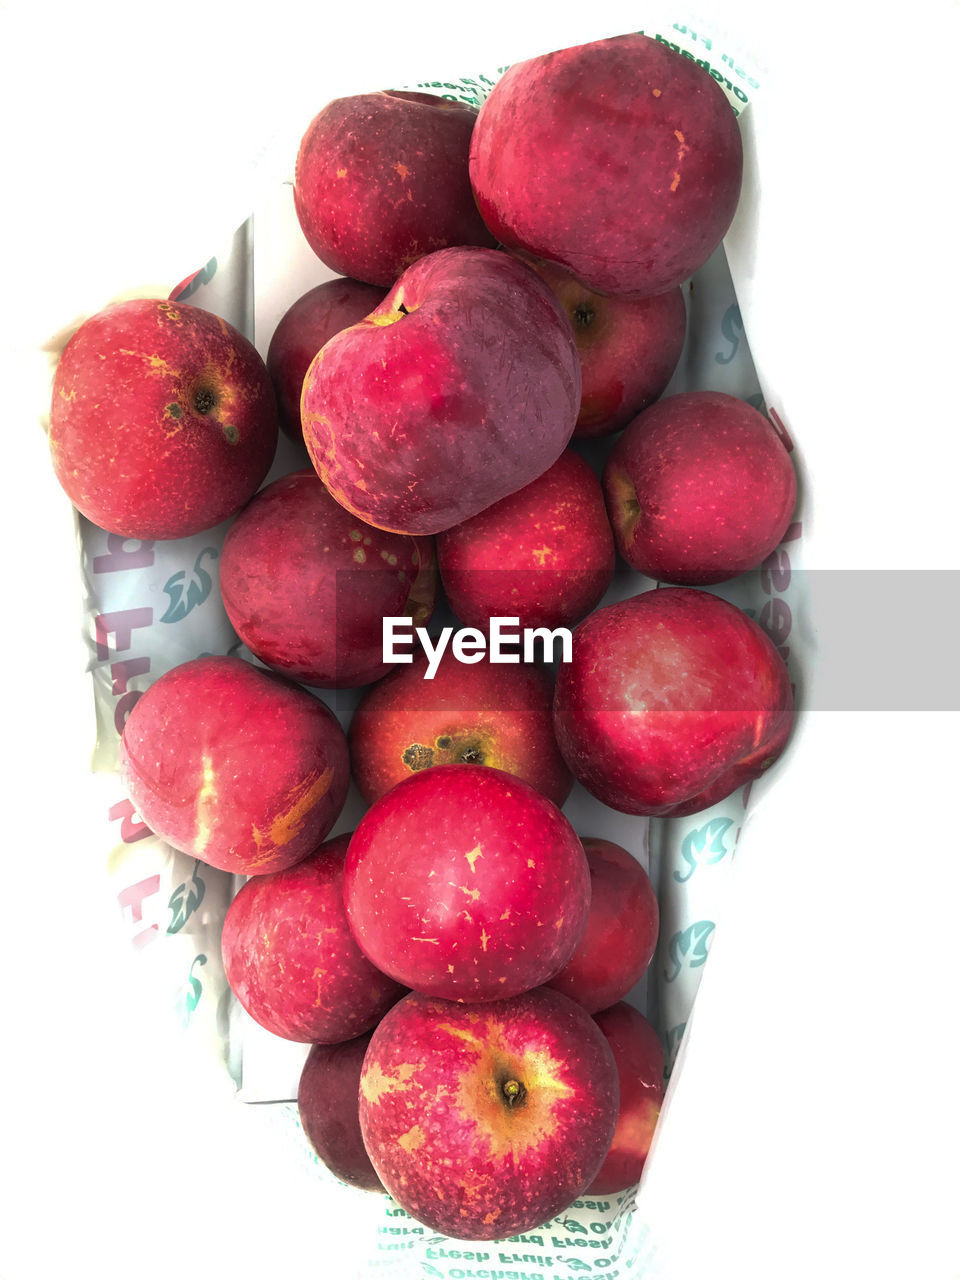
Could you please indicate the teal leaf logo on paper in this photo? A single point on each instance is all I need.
(185, 899)
(188, 588)
(703, 846)
(731, 327)
(688, 948)
(576, 1264)
(573, 1226)
(674, 1036)
(191, 993)
(430, 1270)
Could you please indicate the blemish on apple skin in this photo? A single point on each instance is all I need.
(231, 433)
(473, 855)
(360, 555)
(417, 757)
(656, 93)
(412, 1140)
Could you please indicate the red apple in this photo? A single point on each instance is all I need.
(620, 160)
(462, 387)
(638, 1054)
(485, 713)
(673, 700)
(382, 179)
(699, 489)
(621, 934)
(302, 331)
(291, 960)
(306, 585)
(629, 348)
(464, 882)
(486, 1122)
(544, 555)
(163, 420)
(234, 765)
(328, 1101)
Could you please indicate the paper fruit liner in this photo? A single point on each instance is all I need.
(150, 606)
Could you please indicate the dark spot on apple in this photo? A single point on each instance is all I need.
(403, 310)
(418, 757)
(583, 315)
(512, 1091)
(471, 755)
(232, 434)
(204, 399)
(444, 744)
(174, 410)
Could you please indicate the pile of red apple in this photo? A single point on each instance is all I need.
(513, 277)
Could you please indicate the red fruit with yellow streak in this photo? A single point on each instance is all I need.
(486, 1122)
(461, 387)
(483, 713)
(382, 179)
(307, 585)
(234, 765)
(291, 960)
(638, 1054)
(465, 883)
(637, 160)
(302, 331)
(544, 555)
(621, 934)
(163, 421)
(328, 1102)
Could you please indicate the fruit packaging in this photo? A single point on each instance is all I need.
(150, 606)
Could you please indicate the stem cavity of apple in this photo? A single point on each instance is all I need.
(204, 399)
(513, 1092)
(583, 315)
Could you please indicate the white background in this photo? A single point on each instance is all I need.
(816, 1129)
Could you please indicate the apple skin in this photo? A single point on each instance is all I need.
(234, 765)
(328, 1101)
(673, 700)
(420, 415)
(291, 960)
(629, 348)
(637, 156)
(621, 934)
(638, 1054)
(382, 179)
(490, 714)
(442, 1133)
(544, 555)
(306, 585)
(699, 488)
(163, 421)
(465, 883)
(302, 331)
